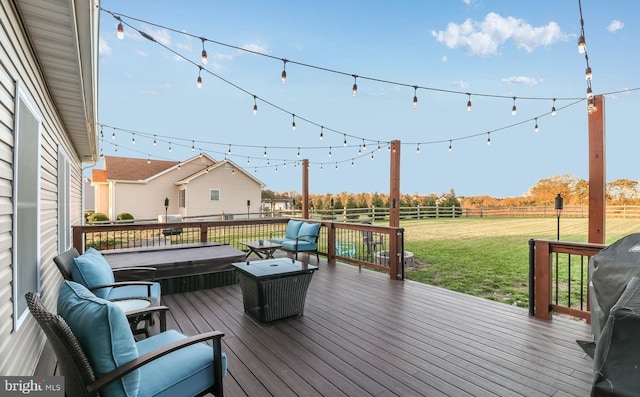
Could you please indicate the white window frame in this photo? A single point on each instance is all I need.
(64, 201)
(211, 194)
(182, 198)
(23, 157)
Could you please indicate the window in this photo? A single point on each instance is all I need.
(26, 211)
(181, 198)
(214, 195)
(64, 202)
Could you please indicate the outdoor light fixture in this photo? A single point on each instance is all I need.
(513, 109)
(559, 206)
(469, 103)
(553, 107)
(587, 73)
(283, 76)
(166, 208)
(415, 96)
(120, 29)
(204, 53)
(355, 85)
(582, 44)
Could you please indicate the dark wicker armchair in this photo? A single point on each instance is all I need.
(80, 377)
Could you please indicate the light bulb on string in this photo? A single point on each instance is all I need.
(283, 76)
(582, 44)
(378, 145)
(553, 107)
(345, 141)
(359, 150)
(321, 167)
(298, 152)
(354, 89)
(371, 155)
(233, 171)
(120, 31)
(205, 60)
(364, 144)
(101, 134)
(513, 109)
(169, 147)
(587, 74)
(535, 127)
(293, 123)
(133, 139)
(488, 138)
(469, 103)
(179, 165)
(113, 135)
(199, 80)
(265, 151)
(352, 164)
(154, 141)
(415, 96)
(193, 146)
(229, 151)
(336, 166)
(255, 105)
(418, 149)
(450, 145)
(329, 151)
(591, 108)
(255, 170)
(276, 168)
(116, 148)
(321, 132)
(149, 159)
(589, 93)
(248, 161)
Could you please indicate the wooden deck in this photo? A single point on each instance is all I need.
(365, 335)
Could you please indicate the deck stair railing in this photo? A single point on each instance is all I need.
(559, 278)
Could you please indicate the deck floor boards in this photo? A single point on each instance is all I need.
(365, 335)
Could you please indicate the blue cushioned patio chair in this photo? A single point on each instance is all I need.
(347, 249)
(97, 354)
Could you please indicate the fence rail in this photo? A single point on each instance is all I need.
(360, 244)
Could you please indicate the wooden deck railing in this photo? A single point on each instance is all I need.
(373, 246)
(559, 278)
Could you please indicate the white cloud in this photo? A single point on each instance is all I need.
(256, 48)
(103, 48)
(141, 53)
(460, 83)
(521, 80)
(615, 25)
(483, 38)
(445, 58)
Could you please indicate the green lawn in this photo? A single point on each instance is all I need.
(489, 257)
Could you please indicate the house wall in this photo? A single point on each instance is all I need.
(20, 349)
(235, 190)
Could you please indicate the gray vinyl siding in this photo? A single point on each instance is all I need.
(20, 349)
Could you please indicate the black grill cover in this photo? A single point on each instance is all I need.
(610, 271)
(617, 357)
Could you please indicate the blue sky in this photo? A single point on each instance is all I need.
(495, 50)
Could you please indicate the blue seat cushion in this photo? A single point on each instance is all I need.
(91, 270)
(309, 232)
(278, 240)
(135, 291)
(302, 245)
(104, 334)
(185, 372)
(293, 229)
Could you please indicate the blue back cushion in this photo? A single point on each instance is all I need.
(309, 231)
(293, 227)
(91, 270)
(104, 334)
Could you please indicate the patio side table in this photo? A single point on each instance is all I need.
(274, 288)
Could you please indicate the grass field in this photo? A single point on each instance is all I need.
(489, 257)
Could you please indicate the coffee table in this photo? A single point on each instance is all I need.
(266, 248)
(274, 288)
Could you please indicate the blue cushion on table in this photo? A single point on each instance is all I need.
(309, 231)
(91, 270)
(136, 291)
(302, 245)
(185, 372)
(104, 334)
(293, 228)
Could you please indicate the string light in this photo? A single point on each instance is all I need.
(371, 155)
(204, 53)
(336, 166)
(233, 171)
(113, 135)
(283, 76)
(359, 150)
(120, 33)
(589, 93)
(418, 149)
(255, 105)
(321, 132)
(553, 107)
(133, 139)
(450, 145)
(354, 89)
(587, 73)
(364, 144)
(193, 146)
(415, 96)
(469, 103)
(535, 127)
(582, 44)
(154, 141)
(149, 159)
(345, 141)
(293, 123)
(101, 134)
(321, 167)
(352, 164)
(378, 145)
(248, 161)
(229, 151)
(169, 147)
(488, 138)
(329, 151)
(298, 152)
(513, 109)
(265, 151)
(199, 81)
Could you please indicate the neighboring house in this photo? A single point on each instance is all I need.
(48, 97)
(197, 187)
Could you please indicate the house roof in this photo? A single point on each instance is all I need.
(64, 37)
(133, 169)
(224, 163)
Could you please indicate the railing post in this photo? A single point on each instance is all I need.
(542, 293)
(331, 243)
(78, 234)
(532, 277)
(204, 231)
(394, 253)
